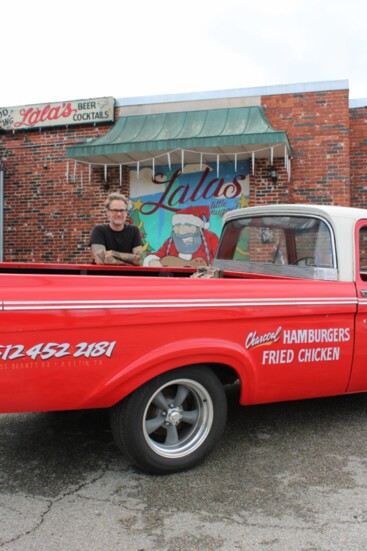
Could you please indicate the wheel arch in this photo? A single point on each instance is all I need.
(228, 360)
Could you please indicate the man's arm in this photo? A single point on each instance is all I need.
(138, 253)
(101, 256)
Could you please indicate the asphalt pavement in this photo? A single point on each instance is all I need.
(289, 476)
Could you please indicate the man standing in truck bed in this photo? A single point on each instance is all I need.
(116, 242)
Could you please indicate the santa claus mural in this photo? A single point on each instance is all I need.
(190, 243)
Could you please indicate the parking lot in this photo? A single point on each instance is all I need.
(285, 476)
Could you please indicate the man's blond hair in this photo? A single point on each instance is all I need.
(114, 197)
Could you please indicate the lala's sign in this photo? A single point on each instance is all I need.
(64, 113)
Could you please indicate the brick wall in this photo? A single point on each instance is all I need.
(263, 190)
(358, 157)
(317, 125)
(51, 204)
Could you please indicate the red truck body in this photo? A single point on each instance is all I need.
(76, 337)
(62, 349)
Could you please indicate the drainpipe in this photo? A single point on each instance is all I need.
(1, 213)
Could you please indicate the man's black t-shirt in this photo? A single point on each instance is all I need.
(123, 241)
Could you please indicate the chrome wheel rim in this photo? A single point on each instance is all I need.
(178, 418)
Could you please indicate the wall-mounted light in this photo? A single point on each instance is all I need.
(273, 174)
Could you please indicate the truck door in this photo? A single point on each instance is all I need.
(358, 380)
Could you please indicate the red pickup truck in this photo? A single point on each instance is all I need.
(282, 312)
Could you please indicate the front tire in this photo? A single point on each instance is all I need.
(172, 422)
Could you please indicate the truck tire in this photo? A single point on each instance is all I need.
(172, 422)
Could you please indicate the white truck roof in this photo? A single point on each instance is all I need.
(341, 219)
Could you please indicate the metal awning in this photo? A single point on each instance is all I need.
(206, 135)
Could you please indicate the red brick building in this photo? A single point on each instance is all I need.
(55, 179)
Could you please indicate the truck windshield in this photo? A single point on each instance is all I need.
(278, 240)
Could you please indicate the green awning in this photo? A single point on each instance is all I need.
(209, 133)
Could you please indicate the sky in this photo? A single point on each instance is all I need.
(62, 51)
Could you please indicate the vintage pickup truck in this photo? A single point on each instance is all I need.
(282, 312)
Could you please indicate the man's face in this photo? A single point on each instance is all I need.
(117, 213)
(187, 238)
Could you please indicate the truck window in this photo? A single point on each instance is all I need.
(279, 240)
(363, 252)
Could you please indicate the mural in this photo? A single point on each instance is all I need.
(179, 211)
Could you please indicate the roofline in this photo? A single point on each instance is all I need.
(357, 103)
(238, 93)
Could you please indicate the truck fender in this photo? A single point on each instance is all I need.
(172, 356)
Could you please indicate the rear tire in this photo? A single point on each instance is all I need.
(172, 422)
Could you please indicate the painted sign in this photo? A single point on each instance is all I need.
(312, 343)
(64, 113)
(45, 351)
(179, 210)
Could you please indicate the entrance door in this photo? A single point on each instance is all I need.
(358, 381)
